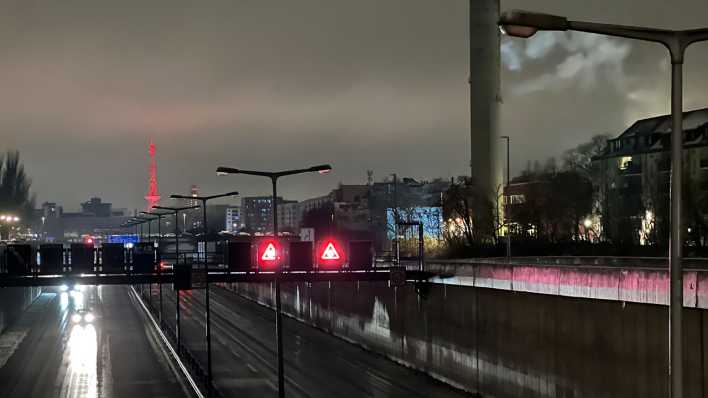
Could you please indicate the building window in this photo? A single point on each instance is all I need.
(625, 162)
(515, 199)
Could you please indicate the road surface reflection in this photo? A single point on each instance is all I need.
(80, 379)
(81, 354)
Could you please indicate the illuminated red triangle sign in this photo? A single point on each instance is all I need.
(330, 253)
(270, 253)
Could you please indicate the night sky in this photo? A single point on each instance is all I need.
(265, 84)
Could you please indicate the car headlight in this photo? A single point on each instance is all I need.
(89, 317)
(63, 288)
(76, 318)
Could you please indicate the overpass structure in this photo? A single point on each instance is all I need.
(532, 327)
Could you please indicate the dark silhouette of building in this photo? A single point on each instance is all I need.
(633, 179)
(95, 207)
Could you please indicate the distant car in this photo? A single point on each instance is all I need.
(82, 316)
(71, 288)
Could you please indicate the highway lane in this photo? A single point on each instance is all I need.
(316, 363)
(47, 353)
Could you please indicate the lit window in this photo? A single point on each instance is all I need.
(625, 162)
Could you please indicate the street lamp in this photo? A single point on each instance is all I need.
(274, 175)
(524, 24)
(204, 200)
(147, 220)
(159, 245)
(175, 211)
(138, 223)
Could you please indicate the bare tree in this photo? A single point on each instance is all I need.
(471, 210)
(15, 186)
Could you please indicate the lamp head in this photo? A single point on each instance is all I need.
(322, 169)
(222, 171)
(524, 24)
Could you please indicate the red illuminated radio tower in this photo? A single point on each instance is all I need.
(153, 195)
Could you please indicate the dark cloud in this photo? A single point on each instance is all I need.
(269, 84)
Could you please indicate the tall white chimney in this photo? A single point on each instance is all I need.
(485, 95)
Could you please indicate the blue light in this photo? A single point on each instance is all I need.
(431, 217)
(122, 239)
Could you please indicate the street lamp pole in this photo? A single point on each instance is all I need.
(507, 196)
(159, 245)
(520, 23)
(175, 211)
(395, 218)
(322, 169)
(207, 327)
(140, 221)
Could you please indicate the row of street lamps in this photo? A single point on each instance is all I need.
(138, 221)
(524, 24)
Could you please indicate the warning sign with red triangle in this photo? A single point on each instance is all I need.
(330, 252)
(270, 253)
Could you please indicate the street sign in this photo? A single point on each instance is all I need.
(361, 254)
(239, 256)
(398, 276)
(301, 256)
(269, 255)
(199, 278)
(330, 254)
(82, 258)
(143, 258)
(307, 234)
(112, 258)
(51, 257)
(183, 277)
(18, 259)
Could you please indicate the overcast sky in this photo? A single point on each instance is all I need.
(266, 84)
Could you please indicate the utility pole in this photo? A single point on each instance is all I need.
(395, 219)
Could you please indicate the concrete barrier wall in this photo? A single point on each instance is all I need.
(506, 343)
(13, 301)
(631, 283)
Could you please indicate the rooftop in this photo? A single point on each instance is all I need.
(653, 134)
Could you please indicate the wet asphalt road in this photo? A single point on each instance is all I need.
(45, 353)
(316, 363)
